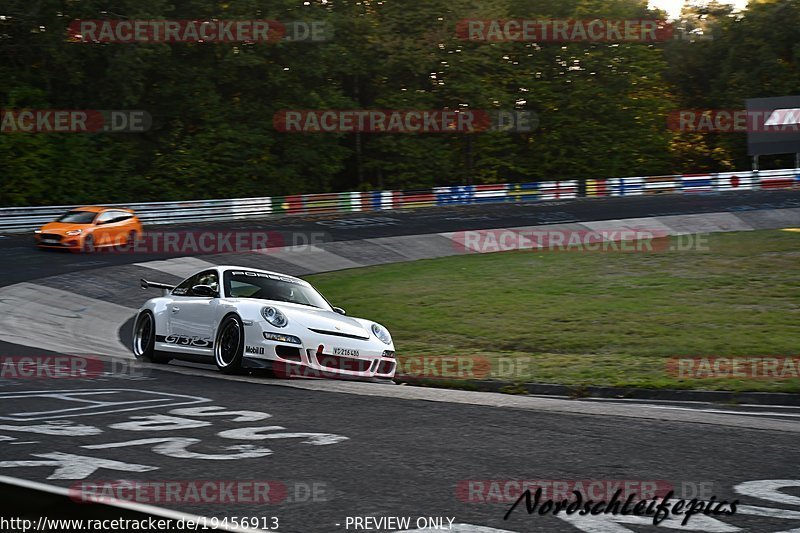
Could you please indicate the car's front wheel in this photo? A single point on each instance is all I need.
(144, 339)
(229, 345)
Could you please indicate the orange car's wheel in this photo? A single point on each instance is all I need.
(88, 244)
(125, 241)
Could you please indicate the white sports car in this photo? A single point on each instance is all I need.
(244, 317)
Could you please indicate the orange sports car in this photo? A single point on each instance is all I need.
(87, 228)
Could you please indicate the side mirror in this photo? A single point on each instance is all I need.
(339, 310)
(203, 290)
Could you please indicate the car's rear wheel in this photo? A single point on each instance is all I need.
(144, 339)
(126, 242)
(229, 345)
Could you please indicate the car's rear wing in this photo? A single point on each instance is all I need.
(155, 285)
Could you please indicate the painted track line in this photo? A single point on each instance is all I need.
(459, 528)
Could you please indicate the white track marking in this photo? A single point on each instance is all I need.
(70, 466)
(768, 489)
(176, 447)
(768, 512)
(61, 321)
(256, 433)
(689, 402)
(91, 402)
(68, 430)
(158, 423)
(248, 433)
(181, 267)
(613, 524)
(459, 528)
(216, 410)
(723, 411)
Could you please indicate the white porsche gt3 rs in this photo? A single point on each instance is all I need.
(247, 318)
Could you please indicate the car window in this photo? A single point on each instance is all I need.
(120, 216)
(241, 289)
(207, 277)
(264, 286)
(183, 287)
(105, 217)
(78, 217)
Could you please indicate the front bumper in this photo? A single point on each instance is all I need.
(367, 359)
(59, 241)
(62, 242)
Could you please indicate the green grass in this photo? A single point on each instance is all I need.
(579, 319)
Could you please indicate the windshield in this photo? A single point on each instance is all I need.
(262, 286)
(78, 217)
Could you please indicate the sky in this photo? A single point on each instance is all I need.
(673, 7)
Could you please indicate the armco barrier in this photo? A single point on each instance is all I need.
(18, 219)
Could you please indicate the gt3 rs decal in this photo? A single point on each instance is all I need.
(186, 340)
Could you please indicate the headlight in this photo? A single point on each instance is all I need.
(274, 317)
(74, 232)
(280, 337)
(37, 231)
(380, 332)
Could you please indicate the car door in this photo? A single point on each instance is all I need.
(104, 230)
(191, 316)
(119, 227)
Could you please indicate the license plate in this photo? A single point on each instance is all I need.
(347, 352)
